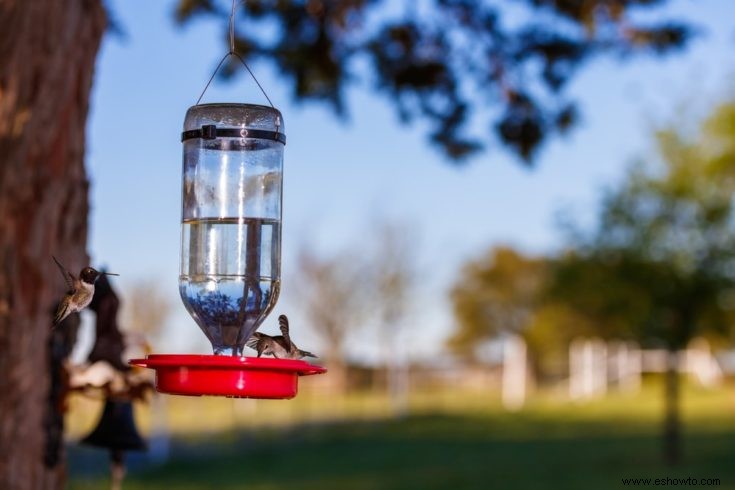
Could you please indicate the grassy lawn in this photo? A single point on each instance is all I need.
(460, 441)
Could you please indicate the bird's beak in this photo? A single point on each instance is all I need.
(109, 274)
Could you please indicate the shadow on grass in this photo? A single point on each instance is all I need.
(436, 452)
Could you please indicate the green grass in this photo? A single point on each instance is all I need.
(463, 442)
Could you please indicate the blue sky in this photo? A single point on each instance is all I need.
(339, 175)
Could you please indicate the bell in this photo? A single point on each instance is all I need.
(116, 429)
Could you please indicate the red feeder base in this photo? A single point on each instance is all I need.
(241, 377)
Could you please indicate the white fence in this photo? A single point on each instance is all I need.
(596, 365)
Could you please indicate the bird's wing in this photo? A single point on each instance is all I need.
(253, 340)
(283, 323)
(281, 341)
(68, 276)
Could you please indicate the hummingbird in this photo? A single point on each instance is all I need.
(279, 346)
(81, 290)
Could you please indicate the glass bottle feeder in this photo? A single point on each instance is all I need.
(230, 272)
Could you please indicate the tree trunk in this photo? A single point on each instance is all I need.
(47, 53)
(672, 429)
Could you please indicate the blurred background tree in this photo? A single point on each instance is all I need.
(146, 309)
(451, 64)
(495, 295)
(659, 267)
(334, 294)
(394, 273)
(553, 327)
(48, 50)
(506, 293)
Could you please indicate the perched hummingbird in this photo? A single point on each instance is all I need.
(279, 346)
(80, 292)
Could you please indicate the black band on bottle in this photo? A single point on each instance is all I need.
(210, 132)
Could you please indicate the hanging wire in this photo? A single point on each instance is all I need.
(232, 28)
(233, 53)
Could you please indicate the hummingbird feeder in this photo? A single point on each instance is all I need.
(230, 271)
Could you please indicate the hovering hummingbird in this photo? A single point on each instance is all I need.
(279, 346)
(81, 290)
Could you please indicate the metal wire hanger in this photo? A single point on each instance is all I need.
(232, 52)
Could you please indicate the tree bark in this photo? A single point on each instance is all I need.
(47, 52)
(672, 428)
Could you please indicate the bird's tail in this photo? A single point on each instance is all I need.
(61, 313)
(306, 353)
